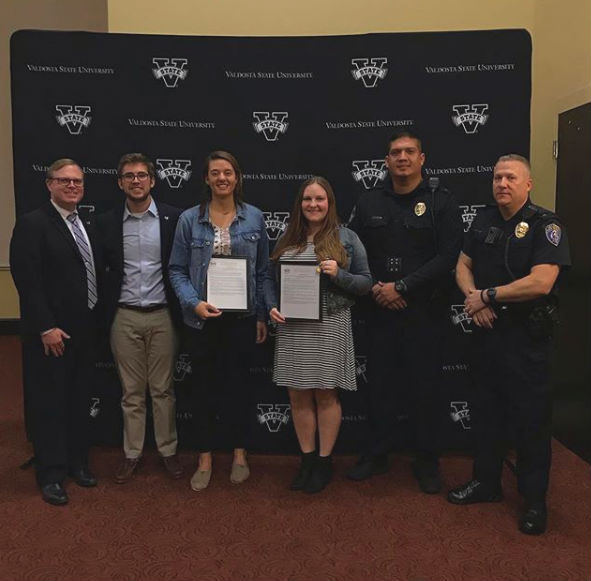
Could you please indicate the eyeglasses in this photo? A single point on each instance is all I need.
(66, 181)
(130, 176)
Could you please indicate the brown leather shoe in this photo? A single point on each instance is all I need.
(126, 470)
(173, 466)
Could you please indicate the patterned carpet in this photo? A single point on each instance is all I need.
(156, 528)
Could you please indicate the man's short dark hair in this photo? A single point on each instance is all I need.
(401, 134)
(136, 158)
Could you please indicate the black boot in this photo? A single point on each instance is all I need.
(306, 465)
(321, 475)
(533, 521)
(475, 491)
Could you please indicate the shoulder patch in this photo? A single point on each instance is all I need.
(553, 233)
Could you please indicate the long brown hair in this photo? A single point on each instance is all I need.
(327, 243)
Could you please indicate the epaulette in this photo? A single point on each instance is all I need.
(532, 210)
(443, 190)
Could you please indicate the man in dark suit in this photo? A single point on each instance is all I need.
(53, 265)
(142, 312)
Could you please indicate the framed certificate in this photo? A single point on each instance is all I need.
(299, 290)
(227, 283)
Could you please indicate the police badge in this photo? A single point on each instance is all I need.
(420, 208)
(521, 229)
(553, 233)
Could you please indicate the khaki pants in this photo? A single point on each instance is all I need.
(144, 348)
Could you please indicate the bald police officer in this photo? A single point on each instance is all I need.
(509, 270)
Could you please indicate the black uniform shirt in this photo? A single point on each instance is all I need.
(414, 237)
(502, 251)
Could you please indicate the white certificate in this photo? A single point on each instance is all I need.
(299, 290)
(227, 283)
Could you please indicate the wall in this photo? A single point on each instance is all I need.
(561, 81)
(311, 17)
(560, 31)
(16, 15)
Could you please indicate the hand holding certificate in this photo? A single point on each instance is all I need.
(299, 291)
(227, 283)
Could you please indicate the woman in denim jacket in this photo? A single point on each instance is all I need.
(220, 344)
(313, 358)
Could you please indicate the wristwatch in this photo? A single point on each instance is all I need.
(491, 293)
(400, 287)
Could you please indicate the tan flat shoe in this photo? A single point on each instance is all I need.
(200, 480)
(240, 473)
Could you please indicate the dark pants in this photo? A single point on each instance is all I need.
(513, 404)
(220, 357)
(403, 368)
(57, 400)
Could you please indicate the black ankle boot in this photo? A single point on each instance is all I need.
(321, 475)
(301, 478)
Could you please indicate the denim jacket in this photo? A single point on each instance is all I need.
(193, 248)
(354, 279)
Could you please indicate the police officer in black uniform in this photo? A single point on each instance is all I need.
(412, 233)
(508, 271)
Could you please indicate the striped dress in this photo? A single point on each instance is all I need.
(315, 354)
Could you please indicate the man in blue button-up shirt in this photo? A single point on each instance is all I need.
(136, 240)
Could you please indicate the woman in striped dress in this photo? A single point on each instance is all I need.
(314, 358)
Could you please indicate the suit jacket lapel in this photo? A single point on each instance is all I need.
(118, 236)
(60, 225)
(165, 239)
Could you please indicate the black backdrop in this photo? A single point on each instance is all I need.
(287, 108)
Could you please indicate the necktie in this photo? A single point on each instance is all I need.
(86, 256)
